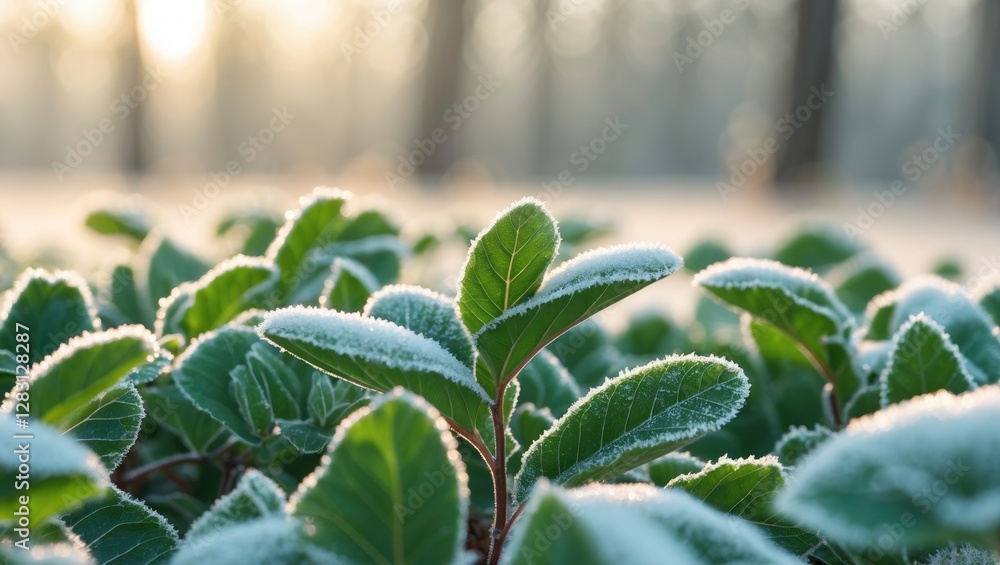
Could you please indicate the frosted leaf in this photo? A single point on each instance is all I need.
(391, 489)
(254, 497)
(577, 290)
(988, 296)
(378, 355)
(275, 541)
(506, 263)
(235, 285)
(968, 326)
(55, 307)
(109, 424)
(635, 418)
(818, 248)
(426, 313)
(798, 442)
(673, 465)
(82, 369)
(794, 300)
(634, 524)
(928, 468)
(66, 471)
(117, 528)
(746, 488)
(861, 279)
(965, 555)
(168, 266)
(348, 287)
(922, 360)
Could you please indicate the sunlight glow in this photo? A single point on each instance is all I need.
(173, 29)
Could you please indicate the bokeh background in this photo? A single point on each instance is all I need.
(672, 119)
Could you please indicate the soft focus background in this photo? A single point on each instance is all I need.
(675, 119)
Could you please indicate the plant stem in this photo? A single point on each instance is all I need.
(170, 462)
(499, 481)
(832, 379)
(506, 529)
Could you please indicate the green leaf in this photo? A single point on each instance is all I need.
(317, 223)
(867, 400)
(817, 248)
(572, 293)
(330, 400)
(108, 425)
(83, 369)
(546, 383)
(169, 266)
(506, 263)
(254, 497)
(203, 374)
(63, 472)
(348, 287)
(392, 488)
(170, 408)
(673, 465)
(746, 488)
(966, 323)
(8, 370)
(704, 254)
(126, 298)
(306, 437)
(258, 227)
(252, 399)
(233, 287)
(53, 306)
(633, 419)
(798, 442)
(650, 333)
(132, 224)
(378, 355)
(634, 524)
(426, 313)
(925, 470)
(795, 301)
(120, 529)
(275, 541)
(923, 360)
(860, 280)
(989, 299)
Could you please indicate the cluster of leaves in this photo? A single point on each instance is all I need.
(172, 414)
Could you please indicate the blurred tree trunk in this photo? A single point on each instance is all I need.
(544, 120)
(986, 94)
(799, 157)
(134, 158)
(445, 30)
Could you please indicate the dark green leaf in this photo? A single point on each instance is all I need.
(673, 465)
(506, 263)
(546, 383)
(254, 497)
(746, 488)
(169, 266)
(378, 355)
(109, 424)
(572, 293)
(133, 224)
(54, 307)
(923, 360)
(120, 529)
(392, 488)
(634, 419)
(348, 287)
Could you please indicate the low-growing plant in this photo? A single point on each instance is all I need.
(296, 404)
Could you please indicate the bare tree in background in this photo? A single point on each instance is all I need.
(445, 30)
(134, 159)
(986, 93)
(799, 159)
